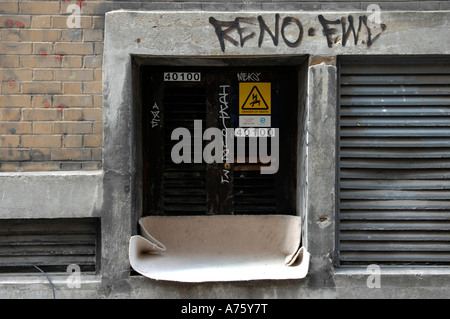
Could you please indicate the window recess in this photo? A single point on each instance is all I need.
(394, 161)
(210, 96)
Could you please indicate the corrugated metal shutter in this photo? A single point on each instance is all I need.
(394, 161)
(51, 244)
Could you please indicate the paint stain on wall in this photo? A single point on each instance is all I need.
(14, 24)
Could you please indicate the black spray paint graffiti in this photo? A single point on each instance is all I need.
(223, 117)
(328, 32)
(243, 28)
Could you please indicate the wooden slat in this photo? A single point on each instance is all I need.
(183, 185)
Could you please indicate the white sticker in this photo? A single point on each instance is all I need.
(254, 132)
(182, 76)
(254, 121)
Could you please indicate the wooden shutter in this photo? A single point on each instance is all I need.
(394, 161)
(183, 185)
(51, 244)
(254, 193)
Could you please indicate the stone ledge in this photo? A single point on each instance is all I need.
(71, 194)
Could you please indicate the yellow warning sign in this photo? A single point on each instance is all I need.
(255, 97)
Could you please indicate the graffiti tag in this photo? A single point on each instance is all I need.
(243, 29)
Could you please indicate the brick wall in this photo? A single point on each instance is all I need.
(51, 74)
(50, 98)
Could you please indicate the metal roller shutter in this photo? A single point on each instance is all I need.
(394, 161)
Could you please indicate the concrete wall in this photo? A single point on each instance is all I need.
(97, 176)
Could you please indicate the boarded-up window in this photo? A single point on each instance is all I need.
(182, 97)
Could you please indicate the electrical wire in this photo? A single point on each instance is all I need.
(51, 283)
